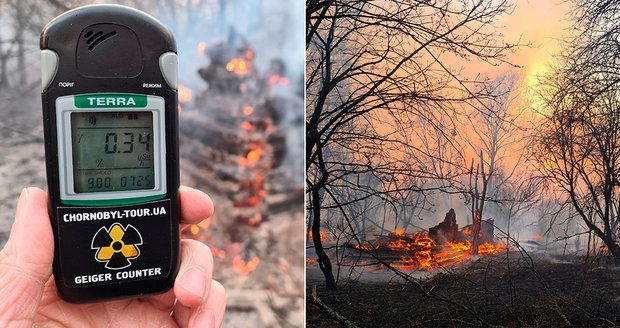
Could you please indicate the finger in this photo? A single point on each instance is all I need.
(211, 313)
(191, 286)
(193, 255)
(31, 242)
(162, 302)
(181, 315)
(208, 314)
(26, 260)
(195, 205)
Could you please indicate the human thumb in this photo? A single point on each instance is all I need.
(26, 260)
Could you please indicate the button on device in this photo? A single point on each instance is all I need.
(168, 63)
(49, 67)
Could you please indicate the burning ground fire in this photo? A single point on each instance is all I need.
(323, 235)
(441, 246)
(418, 251)
(421, 252)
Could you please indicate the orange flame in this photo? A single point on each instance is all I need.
(324, 236)
(460, 247)
(256, 190)
(243, 267)
(248, 110)
(252, 156)
(363, 247)
(248, 126)
(185, 94)
(202, 47)
(420, 252)
(487, 248)
(220, 253)
(239, 66)
(256, 219)
(276, 79)
(399, 232)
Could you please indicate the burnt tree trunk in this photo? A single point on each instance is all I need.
(322, 259)
(476, 232)
(614, 250)
(610, 242)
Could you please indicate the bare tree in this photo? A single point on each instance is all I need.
(578, 148)
(495, 133)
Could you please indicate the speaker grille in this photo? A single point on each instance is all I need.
(93, 39)
(108, 50)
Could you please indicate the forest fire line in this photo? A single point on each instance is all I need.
(442, 245)
(418, 251)
(323, 235)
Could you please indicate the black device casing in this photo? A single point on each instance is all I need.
(115, 65)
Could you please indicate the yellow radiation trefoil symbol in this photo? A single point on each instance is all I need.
(117, 245)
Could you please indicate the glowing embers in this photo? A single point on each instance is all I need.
(253, 154)
(184, 96)
(239, 65)
(323, 235)
(245, 267)
(418, 251)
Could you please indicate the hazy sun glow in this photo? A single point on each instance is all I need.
(532, 82)
(541, 27)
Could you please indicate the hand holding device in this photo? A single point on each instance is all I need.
(29, 296)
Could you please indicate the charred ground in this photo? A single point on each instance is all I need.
(512, 291)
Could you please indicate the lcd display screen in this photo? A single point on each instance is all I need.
(112, 151)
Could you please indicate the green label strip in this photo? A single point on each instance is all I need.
(110, 100)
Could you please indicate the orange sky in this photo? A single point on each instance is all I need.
(544, 24)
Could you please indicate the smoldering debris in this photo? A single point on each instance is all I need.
(235, 145)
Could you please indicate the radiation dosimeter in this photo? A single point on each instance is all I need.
(109, 98)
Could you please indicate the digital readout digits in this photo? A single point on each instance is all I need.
(112, 151)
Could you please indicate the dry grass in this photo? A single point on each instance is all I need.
(490, 291)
